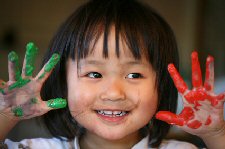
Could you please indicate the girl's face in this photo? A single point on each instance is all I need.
(111, 97)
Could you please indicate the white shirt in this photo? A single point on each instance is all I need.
(54, 143)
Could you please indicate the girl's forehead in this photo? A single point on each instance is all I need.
(98, 49)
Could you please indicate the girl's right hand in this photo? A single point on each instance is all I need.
(20, 96)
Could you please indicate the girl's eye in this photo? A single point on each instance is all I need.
(134, 76)
(94, 75)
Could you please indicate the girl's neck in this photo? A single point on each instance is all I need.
(92, 141)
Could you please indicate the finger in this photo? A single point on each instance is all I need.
(196, 70)
(56, 103)
(28, 65)
(46, 71)
(2, 86)
(13, 66)
(209, 74)
(177, 79)
(18, 84)
(170, 118)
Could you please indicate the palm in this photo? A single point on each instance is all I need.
(20, 96)
(203, 110)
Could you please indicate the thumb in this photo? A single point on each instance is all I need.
(169, 118)
(56, 103)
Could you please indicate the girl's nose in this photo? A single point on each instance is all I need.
(113, 90)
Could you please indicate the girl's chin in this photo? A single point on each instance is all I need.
(114, 134)
(112, 137)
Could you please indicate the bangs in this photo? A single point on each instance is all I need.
(96, 22)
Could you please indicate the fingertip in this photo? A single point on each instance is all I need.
(171, 67)
(210, 59)
(57, 103)
(194, 54)
(31, 46)
(12, 56)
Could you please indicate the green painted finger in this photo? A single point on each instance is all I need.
(52, 62)
(31, 53)
(13, 57)
(19, 83)
(57, 103)
(18, 111)
(50, 65)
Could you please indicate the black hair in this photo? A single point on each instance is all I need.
(144, 31)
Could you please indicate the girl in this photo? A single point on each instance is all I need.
(109, 83)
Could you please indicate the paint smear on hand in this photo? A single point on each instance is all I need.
(20, 83)
(18, 111)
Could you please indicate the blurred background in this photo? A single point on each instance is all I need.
(198, 25)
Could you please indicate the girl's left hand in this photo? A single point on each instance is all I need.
(202, 114)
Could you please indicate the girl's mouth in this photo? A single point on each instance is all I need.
(112, 115)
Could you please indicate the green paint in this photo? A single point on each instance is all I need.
(19, 83)
(3, 83)
(29, 70)
(52, 62)
(33, 101)
(2, 91)
(31, 52)
(18, 111)
(13, 57)
(50, 65)
(57, 103)
(42, 75)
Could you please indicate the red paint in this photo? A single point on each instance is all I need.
(208, 121)
(187, 113)
(208, 86)
(177, 79)
(198, 93)
(170, 118)
(194, 124)
(209, 73)
(196, 70)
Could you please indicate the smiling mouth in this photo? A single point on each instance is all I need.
(109, 113)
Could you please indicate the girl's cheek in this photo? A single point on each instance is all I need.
(80, 101)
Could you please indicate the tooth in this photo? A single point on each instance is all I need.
(116, 112)
(108, 112)
(100, 111)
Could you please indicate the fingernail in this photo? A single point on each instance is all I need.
(57, 103)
